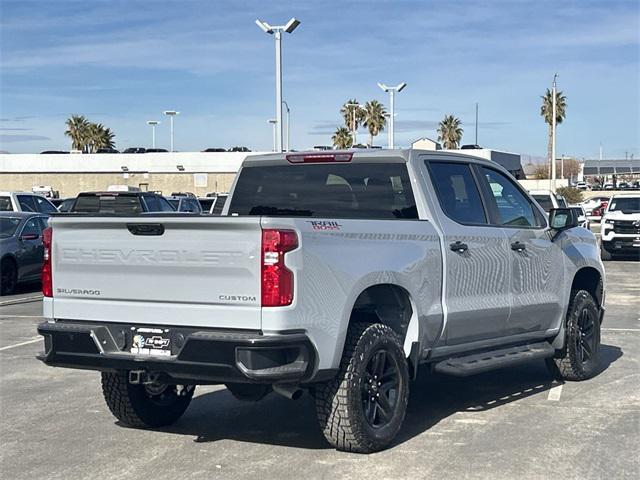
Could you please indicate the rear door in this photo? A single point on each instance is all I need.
(190, 271)
(537, 279)
(477, 266)
(31, 250)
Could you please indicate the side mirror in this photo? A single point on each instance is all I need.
(562, 219)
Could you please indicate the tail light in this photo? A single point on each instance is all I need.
(47, 277)
(277, 279)
(319, 157)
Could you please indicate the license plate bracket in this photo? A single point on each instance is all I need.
(151, 341)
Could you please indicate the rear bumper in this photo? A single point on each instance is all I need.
(197, 356)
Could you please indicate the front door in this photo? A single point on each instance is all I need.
(476, 257)
(537, 271)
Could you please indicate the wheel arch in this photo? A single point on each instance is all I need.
(589, 279)
(393, 306)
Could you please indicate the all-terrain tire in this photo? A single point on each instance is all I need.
(8, 276)
(139, 406)
(340, 405)
(579, 359)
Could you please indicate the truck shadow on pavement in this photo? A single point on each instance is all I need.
(217, 415)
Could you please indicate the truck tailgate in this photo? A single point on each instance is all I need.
(170, 270)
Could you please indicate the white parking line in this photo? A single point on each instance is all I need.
(13, 301)
(554, 393)
(33, 340)
(620, 329)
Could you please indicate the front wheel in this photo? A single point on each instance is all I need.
(362, 409)
(579, 359)
(154, 405)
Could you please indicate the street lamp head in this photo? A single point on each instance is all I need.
(265, 27)
(272, 121)
(291, 25)
(400, 87)
(171, 112)
(152, 122)
(383, 87)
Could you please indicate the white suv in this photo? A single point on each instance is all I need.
(621, 226)
(25, 202)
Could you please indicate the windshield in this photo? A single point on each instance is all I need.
(625, 205)
(544, 201)
(8, 226)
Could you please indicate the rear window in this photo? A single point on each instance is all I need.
(358, 190)
(111, 204)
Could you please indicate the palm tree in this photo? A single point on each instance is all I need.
(77, 127)
(450, 132)
(342, 138)
(352, 114)
(374, 118)
(546, 111)
(105, 139)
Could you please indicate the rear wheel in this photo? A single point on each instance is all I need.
(9, 277)
(154, 405)
(579, 359)
(363, 407)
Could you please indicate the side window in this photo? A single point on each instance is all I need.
(32, 227)
(44, 222)
(26, 203)
(43, 205)
(457, 192)
(5, 204)
(514, 208)
(152, 203)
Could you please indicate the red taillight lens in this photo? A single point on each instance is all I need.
(277, 279)
(47, 278)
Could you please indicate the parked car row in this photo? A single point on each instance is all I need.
(149, 150)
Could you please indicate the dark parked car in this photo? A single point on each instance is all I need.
(21, 250)
(239, 149)
(120, 203)
(107, 150)
(51, 152)
(135, 150)
(214, 150)
(157, 150)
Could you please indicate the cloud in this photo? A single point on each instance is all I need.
(17, 119)
(7, 138)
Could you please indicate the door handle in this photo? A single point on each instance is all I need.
(518, 247)
(459, 247)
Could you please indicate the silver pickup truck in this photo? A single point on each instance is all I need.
(339, 273)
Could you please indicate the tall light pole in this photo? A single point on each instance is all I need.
(392, 91)
(274, 122)
(553, 135)
(153, 124)
(171, 114)
(276, 31)
(286, 105)
(354, 108)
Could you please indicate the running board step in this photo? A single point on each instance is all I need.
(494, 359)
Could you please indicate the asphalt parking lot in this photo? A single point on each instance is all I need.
(515, 423)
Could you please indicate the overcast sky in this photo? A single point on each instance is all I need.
(124, 62)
